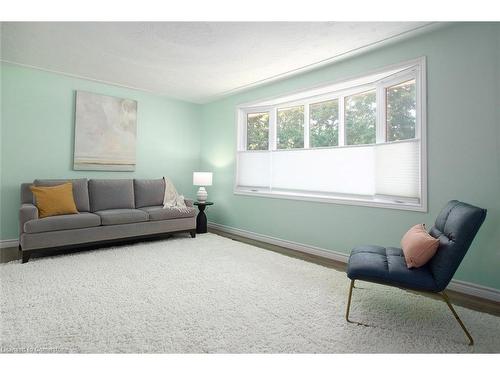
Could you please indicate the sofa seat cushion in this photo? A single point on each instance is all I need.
(388, 266)
(122, 216)
(62, 222)
(159, 213)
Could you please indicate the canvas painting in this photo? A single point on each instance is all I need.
(105, 133)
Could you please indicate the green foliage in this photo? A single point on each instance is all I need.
(291, 127)
(360, 118)
(401, 111)
(324, 124)
(258, 131)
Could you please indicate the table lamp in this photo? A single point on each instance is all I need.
(202, 179)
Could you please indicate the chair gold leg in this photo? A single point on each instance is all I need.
(447, 300)
(349, 302)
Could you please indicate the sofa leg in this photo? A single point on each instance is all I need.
(450, 306)
(192, 233)
(25, 257)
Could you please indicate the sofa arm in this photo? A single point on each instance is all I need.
(27, 212)
(189, 202)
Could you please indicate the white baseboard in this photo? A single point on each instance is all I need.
(475, 290)
(455, 285)
(330, 254)
(8, 243)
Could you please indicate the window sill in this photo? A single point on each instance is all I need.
(367, 201)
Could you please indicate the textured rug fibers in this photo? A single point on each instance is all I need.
(212, 294)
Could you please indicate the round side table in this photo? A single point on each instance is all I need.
(201, 219)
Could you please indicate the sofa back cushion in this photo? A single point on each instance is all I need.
(108, 194)
(80, 191)
(26, 194)
(149, 192)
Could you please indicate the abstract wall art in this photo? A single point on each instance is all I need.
(105, 133)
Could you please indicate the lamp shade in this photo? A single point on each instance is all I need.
(202, 178)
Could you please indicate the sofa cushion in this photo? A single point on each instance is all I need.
(159, 213)
(122, 216)
(54, 200)
(80, 191)
(388, 266)
(26, 194)
(62, 222)
(149, 192)
(109, 194)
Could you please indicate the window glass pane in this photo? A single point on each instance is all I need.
(324, 124)
(360, 118)
(290, 127)
(258, 131)
(401, 113)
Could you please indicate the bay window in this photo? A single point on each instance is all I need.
(360, 141)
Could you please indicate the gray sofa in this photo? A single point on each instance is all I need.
(109, 210)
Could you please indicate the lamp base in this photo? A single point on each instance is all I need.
(202, 194)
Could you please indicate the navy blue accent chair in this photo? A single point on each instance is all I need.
(455, 227)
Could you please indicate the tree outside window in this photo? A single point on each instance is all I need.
(258, 131)
(401, 111)
(324, 124)
(290, 127)
(360, 118)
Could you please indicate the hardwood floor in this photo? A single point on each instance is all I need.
(9, 254)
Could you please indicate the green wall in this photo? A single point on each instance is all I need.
(463, 96)
(38, 133)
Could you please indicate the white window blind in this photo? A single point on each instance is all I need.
(340, 170)
(254, 169)
(397, 169)
(390, 169)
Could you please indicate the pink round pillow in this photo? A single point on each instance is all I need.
(418, 246)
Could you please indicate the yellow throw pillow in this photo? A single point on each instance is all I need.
(54, 200)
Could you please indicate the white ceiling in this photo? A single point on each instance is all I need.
(194, 61)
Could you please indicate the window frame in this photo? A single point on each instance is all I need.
(413, 69)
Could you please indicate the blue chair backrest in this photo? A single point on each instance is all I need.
(455, 227)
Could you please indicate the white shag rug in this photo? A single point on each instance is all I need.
(215, 295)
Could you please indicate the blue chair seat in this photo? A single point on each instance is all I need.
(386, 265)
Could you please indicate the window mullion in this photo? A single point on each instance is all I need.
(306, 125)
(243, 120)
(272, 129)
(341, 121)
(380, 127)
